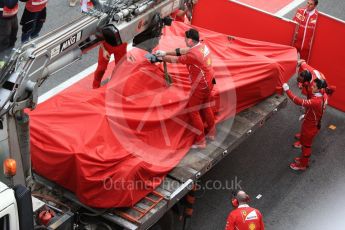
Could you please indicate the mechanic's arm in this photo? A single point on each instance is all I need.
(182, 51)
(170, 59)
(176, 52)
(186, 59)
(295, 99)
(301, 62)
(181, 13)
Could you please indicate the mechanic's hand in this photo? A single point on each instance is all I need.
(153, 58)
(160, 53)
(300, 62)
(159, 59)
(286, 87)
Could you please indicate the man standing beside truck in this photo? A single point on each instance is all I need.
(9, 27)
(33, 18)
(244, 217)
(311, 125)
(307, 74)
(306, 18)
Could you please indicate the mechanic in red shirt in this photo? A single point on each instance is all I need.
(306, 18)
(197, 58)
(306, 76)
(244, 217)
(33, 17)
(311, 125)
(108, 47)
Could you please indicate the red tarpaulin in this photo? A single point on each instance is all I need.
(114, 145)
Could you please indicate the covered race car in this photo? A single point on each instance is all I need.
(113, 145)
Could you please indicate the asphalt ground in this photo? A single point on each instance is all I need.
(311, 200)
(289, 200)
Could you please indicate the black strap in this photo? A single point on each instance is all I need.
(178, 52)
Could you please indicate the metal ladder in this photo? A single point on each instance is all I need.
(158, 197)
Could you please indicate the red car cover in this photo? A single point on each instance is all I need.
(113, 145)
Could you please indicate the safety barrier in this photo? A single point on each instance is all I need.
(238, 19)
(328, 55)
(271, 6)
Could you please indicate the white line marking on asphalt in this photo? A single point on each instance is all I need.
(258, 196)
(288, 8)
(66, 84)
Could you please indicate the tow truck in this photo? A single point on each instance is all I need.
(30, 201)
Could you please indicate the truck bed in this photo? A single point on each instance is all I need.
(193, 166)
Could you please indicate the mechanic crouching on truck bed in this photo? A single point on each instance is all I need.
(198, 60)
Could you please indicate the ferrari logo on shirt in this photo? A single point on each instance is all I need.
(313, 21)
(244, 214)
(300, 16)
(252, 226)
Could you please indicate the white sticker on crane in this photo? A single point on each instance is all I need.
(71, 41)
(55, 51)
(65, 45)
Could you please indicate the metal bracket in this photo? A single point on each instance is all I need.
(180, 192)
